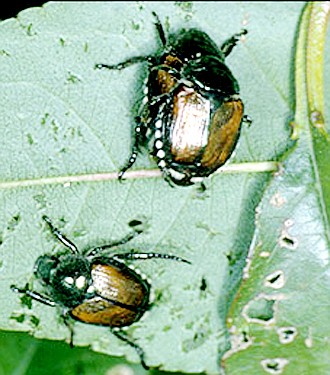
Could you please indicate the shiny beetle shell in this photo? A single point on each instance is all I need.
(192, 113)
(113, 281)
(94, 288)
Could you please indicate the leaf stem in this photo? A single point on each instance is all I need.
(66, 181)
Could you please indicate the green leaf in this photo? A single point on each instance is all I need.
(66, 131)
(22, 354)
(287, 275)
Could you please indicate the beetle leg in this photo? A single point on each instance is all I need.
(137, 230)
(144, 256)
(173, 177)
(124, 64)
(169, 177)
(65, 241)
(122, 336)
(229, 44)
(140, 136)
(68, 322)
(247, 120)
(34, 295)
(160, 29)
(166, 174)
(96, 250)
(177, 178)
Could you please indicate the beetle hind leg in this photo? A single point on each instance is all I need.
(122, 336)
(146, 256)
(68, 323)
(229, 44)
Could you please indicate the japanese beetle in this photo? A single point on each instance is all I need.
(192, 111)
(95, 288)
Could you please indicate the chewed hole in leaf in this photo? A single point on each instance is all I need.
(288, 242)
(287, 334)
(277, 200)
(275, 280)
(245, 337)
(260, 310)
(203, 285)
(139, 224)
(274, 365)
(34, 320)
(26, 301)
(13, 222)
(199, 339)
(134, 223)
(19, 318)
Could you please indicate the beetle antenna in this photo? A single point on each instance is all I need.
(65, 241)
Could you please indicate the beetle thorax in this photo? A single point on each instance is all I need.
(70, 280)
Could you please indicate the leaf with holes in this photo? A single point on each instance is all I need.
(66, 131)
(281, 319)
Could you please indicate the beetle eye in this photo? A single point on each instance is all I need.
(44, 267)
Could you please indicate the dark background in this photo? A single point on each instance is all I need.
(10, 9)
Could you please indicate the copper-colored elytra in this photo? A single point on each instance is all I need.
(223, 134)
(101, 312)
(189, 128)
(118, 284)
(112, 284)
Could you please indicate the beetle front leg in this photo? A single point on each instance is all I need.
(34, 295)
(229, 44)
(160, 29)
(123, 64)
(140, 136)
(65, 241)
